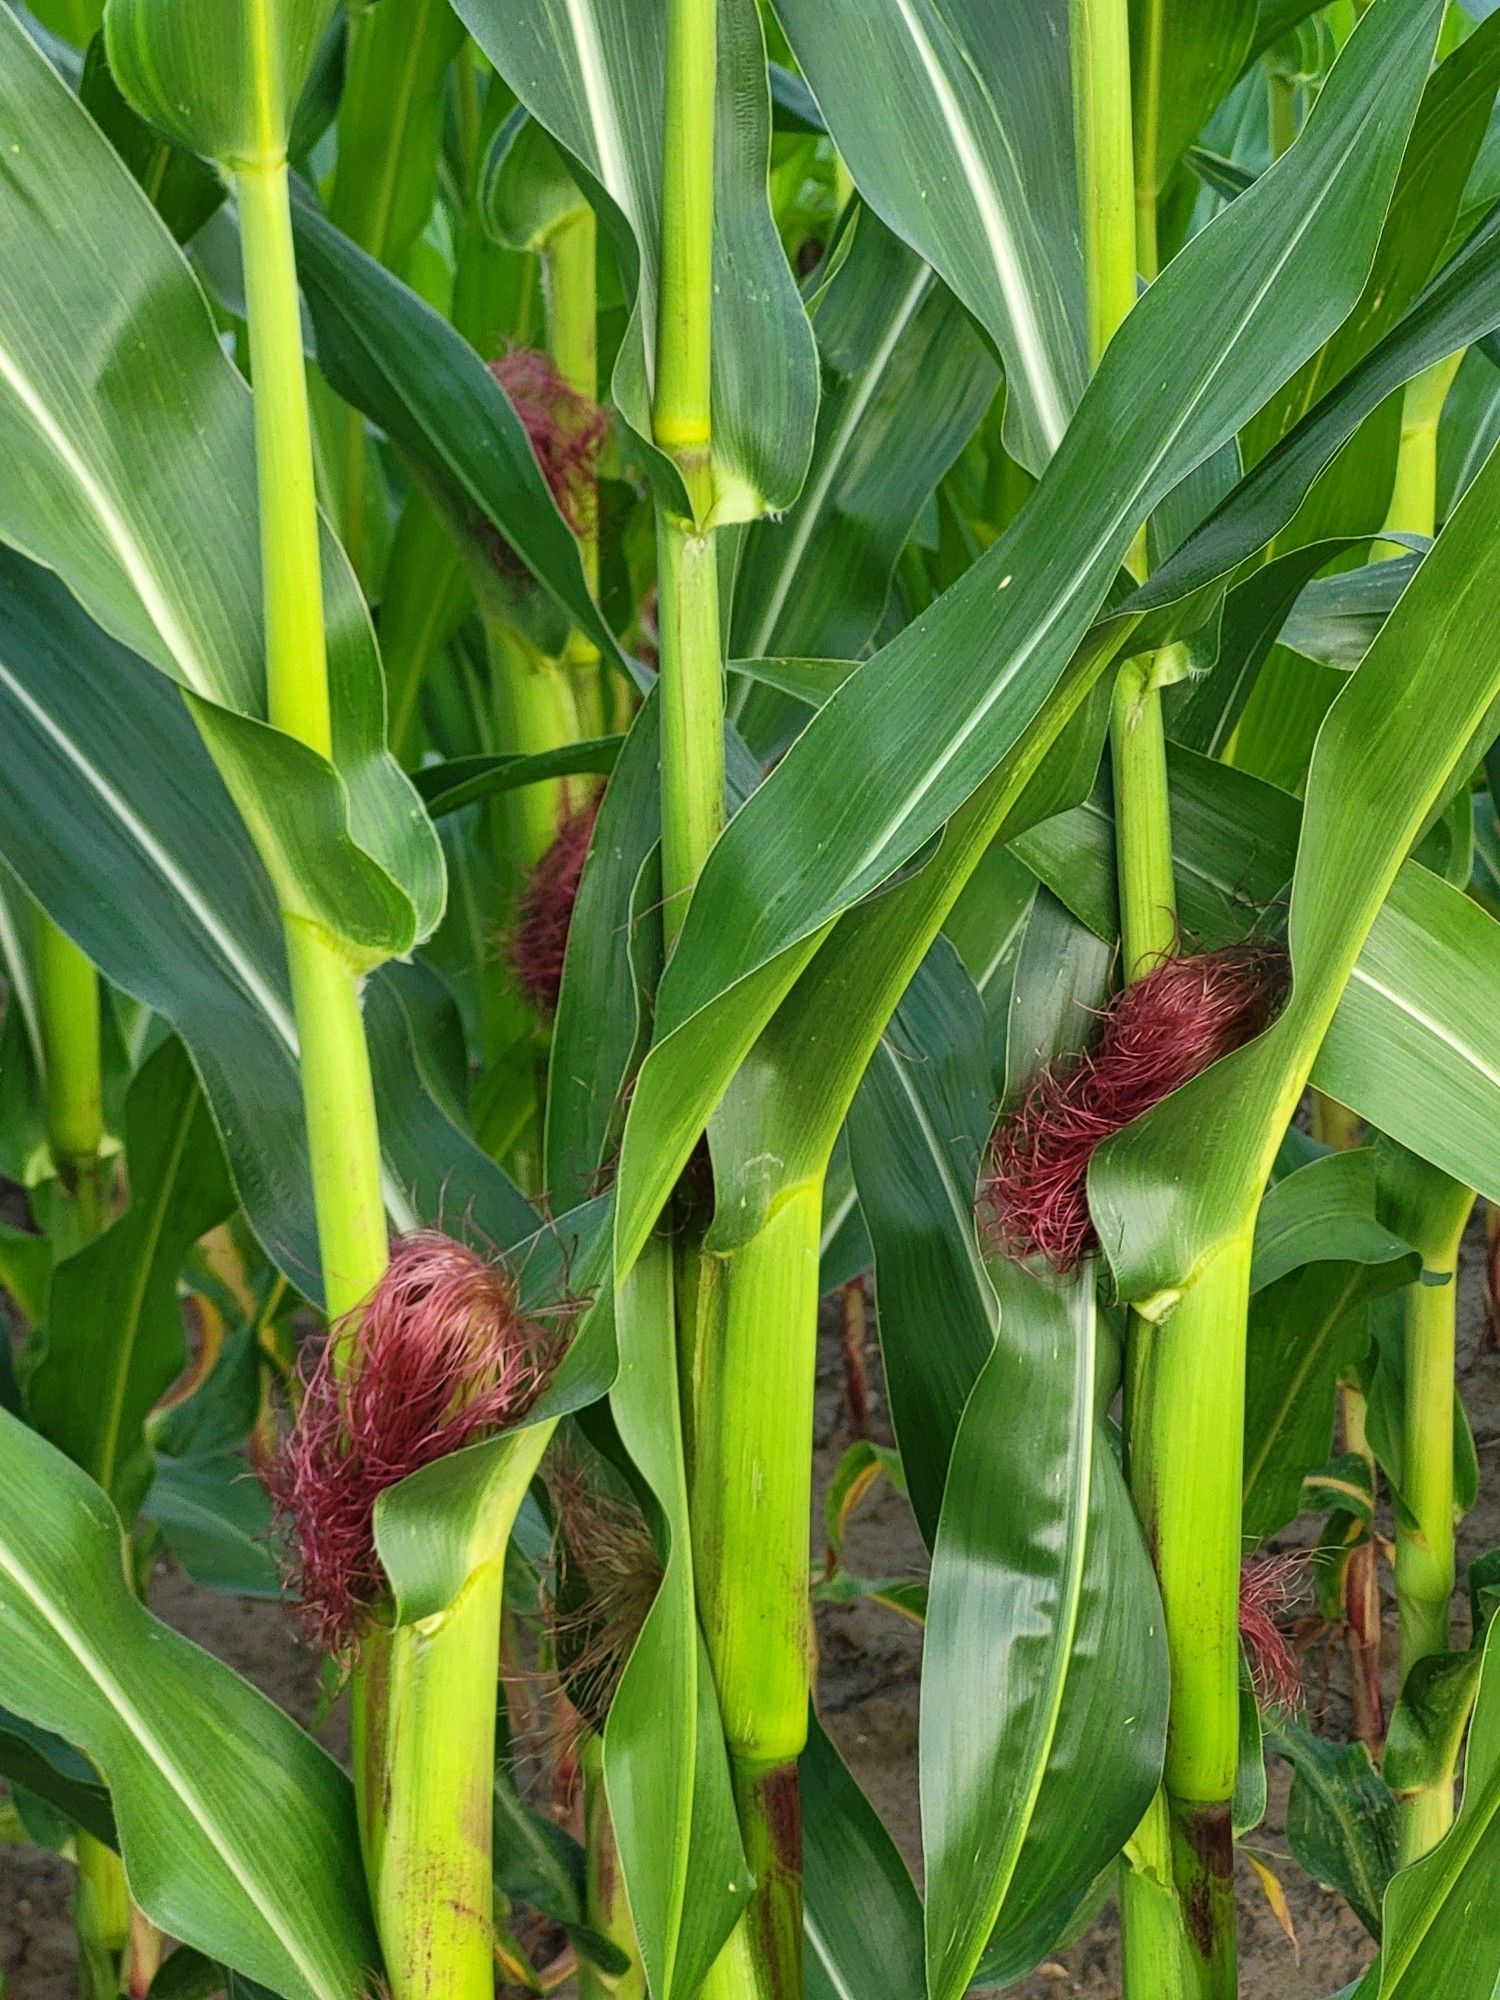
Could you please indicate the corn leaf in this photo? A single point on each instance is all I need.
(1042, 1618)
(591, 72)
(665, 1770)
(237, 1831)
(861, 1916)
(955, 119)
(113, 1317)
(905, 381)
(128, 433)
(916, 1129)
(111, 783)
(1406, 720)
(220, 76)
(1184, 55)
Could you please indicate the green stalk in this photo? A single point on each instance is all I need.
(1430, 1211)
(606, 1906)
(69, 1009)
(1413, 508)
(535, 711)
(1187, 1483)
(424, 1698)
(424, 1763)
(338, 1096)
(572, 336)
(68, 1006)
(1176, 1884)
(692, 674)
(751, 1500)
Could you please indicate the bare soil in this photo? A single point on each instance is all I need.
(868, 1688)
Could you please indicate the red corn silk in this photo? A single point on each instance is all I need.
(439, 1357)
(538, 943)
(1154, 1037)
(565, 430)
(1270, 1585)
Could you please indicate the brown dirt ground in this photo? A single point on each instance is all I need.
(870, 1663)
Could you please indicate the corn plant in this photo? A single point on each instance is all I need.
(659, 657)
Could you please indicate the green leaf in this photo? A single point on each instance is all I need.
(1320, 1256)
(390, 124)
(1405, 720)
(388, 353)
(1341, 1819)
(460, 781)
(1043, 1620)
(237, 1831)
(216, 1520)
(592, 73)
(183, 190)
(861, 1917)
(916, 1130)
(955, 119)
(1184, 55)
(610, 969)
(666, 1774)
(905, 381)
(983, 678)
(52, 1770)
(130, 437)
(1441, 1922)
(526, 193)
(222, 77)
(114, 1321)
(111, 782)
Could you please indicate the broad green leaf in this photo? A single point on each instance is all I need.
(215, 1519)
(610, 970)
(983, 679)
(51, 1770)
(1461, 305)
(1416, 1054)
(1407, 717)
(1042, 1619)
(183, 190)
(1184, 55)
(955, 118)
(861, 1917)
(1341, 1820)
(221, 76)
(237, 1831)
(390, 124)
(1320, 1256)
(905, 381)
(591, 72)
(1441, 1921)
(129, 435)
(111, 782)
(1445, 136)
(400, 362)
(460, 781)
(1335, 618)
(916, 1131)
(665, 1770)
(526, 192)
(114, 1320)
